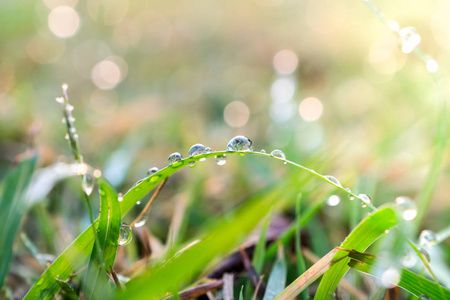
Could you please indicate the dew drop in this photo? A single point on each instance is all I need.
(263, 151)
(425, 254)
(67, 137)
(154, 178)
(208, 150)
(333, 200)
(152, 171)
(221, 159)
(88, 184)
(428, 238)
(240, 143)
(138, 202)
(196, 149)
(407, 207)
(432, 65)
(120, 197)
(278, 154)
(333, 179)
(137, 182)
(174, 159)
(409, 39)
(59, 100)
(192, 164)
(424, 297)
(125, 234)
(141, 222)
(63, 120)
(69, 107)
(409, 260)
(364, 198)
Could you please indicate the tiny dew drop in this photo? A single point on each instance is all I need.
(67, 137)
(221, 159)
(138, 202)
(141, 222)
(174, 159)
(424, 297)
(137, 182)
(125, 234)
(407, 207)
(364, 198)
(409, 39)
(152, 171)
(333, 179)
(428, 238)
(208, 150)
(240, 143)
(120, 197)
(278, 154)
(263, 151)
(192, 164)
(88, 184)
(425, 254)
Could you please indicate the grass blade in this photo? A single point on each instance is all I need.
(13, 206)
(106, 243)
(370, 229)
(298, 251)
(260, 248)
(277, 278)
(411, 282)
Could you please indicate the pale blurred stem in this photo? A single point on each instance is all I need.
(147, 206)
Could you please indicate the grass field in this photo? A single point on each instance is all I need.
(272, 149)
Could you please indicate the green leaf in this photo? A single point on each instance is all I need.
(411, 282)
(370, 229)
(106, 243)
(260, 248)
(277, 279)
(13, 205)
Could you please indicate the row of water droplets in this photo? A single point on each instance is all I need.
(408, 38)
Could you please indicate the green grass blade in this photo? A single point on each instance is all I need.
(260, 249)
(106, 243)
(277, 279)
(76, 254)
(411, 282)
(370, 229)
(13, 206)
(301, 267)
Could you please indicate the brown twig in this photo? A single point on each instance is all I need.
(147, 206)
(252, 274)
(200, 290)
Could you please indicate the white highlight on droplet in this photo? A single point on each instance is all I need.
(310, 109)
(236, 114)
(63, 21)
(432, 65)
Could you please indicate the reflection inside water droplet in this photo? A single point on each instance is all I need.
(152, 171)
(174, 159)
(428, 238)
(125, 234)
(278, 154)
(88, 184)
(240, 143)
(333, 179)
(221, 159)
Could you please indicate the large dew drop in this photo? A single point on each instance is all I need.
(240, 143)
(174, 158)
(196, 149)
(88, 184)
(221, 160)
(125, 234)
(333, 179)
(407, 207)
(428, 238)
(278, 154)
(409, 39)
(365, 199)
(152, 171)
(425, 254)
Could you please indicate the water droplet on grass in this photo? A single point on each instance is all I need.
(263, 151)
(409, 39)
(221, 159)
(390, 277)
(364, 198)
(120, 197)
(432, 65)
(333, 200)
(192, 164)
(125, 234)
(240, 143)
(152, 171)
(141, 222)
(88, 184)
(196, 149)
(424, 297)
(278, 154)
(425, 254)
(333, 179)
(174, 159)
(407, 207)
(428, 238)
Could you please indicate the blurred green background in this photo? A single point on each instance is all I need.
(325, 81)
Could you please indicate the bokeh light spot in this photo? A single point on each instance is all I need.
(236, 114)
(108, 73)
(310, 109)
(285, 61)
(63, 21)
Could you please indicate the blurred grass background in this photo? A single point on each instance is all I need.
(149, 78)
